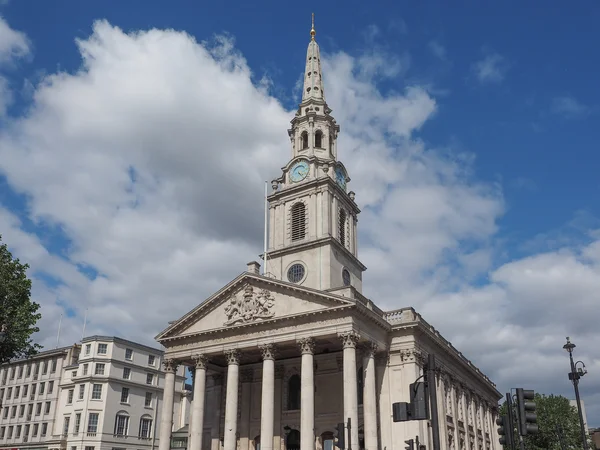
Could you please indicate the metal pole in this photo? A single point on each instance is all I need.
(511, 419)
(349, 434)
(575, 380)
(435, 424)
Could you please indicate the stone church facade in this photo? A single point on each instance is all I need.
(280, 358)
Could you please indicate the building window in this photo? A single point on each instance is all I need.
(73, 374)
(149, 378)
(13, 412)
(102, 349)
(44, 429)
(9, 393)
(5, 415)
(128, 354)
(124, 395)
(342, 227)
(81, 391)
(50, 387)
(1, 394)
(298, 219)
(121, 424)
(319, 139)
(126, 373)
(296, 273)
(45, 368)
(38, 408)
(99, 369)
(20, 374)
(70, 396)
(2, 432)
(148, 400)
(18, 433)
(294, 393)
(346, 277)
(151, 360)
(97, 392)
(10, 432)
(26, 432)
(77, 423)
(46, 407)
(88, 349)
(304, 137)
(66, 425)
(92, 423)
(25, 390)
(12, 373)
(85, 369)
(53, 367)
(17, 391)
(32, 395)
(89, 447)
(28, 371)
(36, 428)
(145, 427)
(42, 387)
(21, 410)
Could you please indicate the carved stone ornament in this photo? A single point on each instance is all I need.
(349, 339)
(250, 308)
(307, 345)
(267, 350)
(170, 365)
(200, 361)
(233, 356)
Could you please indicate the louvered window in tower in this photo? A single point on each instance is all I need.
(342, 227)
(304, 140)
(318, 139)
(298, 221)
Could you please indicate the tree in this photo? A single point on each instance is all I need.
(553, 412)
(18, 314)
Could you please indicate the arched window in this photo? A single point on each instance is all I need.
(122, 423)
(294, 393)
(145, 431)
(342, 226)
(298, 220)
(360, 384)
(318, 139)
(304, 136)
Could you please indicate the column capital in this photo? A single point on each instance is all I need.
(200, 361)
(369, 349)
(267, 351)
(307, 345)
(233, 356)
(349, 339)
(170, 365)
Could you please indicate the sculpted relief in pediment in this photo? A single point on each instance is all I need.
(251, 307)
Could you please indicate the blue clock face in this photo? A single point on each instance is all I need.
(340, 177)
(299, 171)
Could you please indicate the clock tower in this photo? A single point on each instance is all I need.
(312, 237)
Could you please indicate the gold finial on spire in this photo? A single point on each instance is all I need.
(312, 30)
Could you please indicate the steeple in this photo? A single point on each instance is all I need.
(313, 80)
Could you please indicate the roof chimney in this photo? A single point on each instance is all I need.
(254, 267)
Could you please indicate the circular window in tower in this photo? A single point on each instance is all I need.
(296, 273)
(346, 277)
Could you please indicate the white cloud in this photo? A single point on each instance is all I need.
(438, 50)
(569, 107)
(151, 159)
(491, 69)
(13, 46)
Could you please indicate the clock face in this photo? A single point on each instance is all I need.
(340, 177)
(299, 171)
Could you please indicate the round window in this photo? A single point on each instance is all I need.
(346, 277)
(296, 273)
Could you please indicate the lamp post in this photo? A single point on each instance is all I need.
(575, 374)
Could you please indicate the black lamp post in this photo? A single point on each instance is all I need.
(575, 374)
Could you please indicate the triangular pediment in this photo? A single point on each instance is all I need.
(251, 299)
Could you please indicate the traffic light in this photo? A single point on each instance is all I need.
(410, 444)
(339, 440)
(401, 411)
(419, 402)
(527, 415)
(505, 431)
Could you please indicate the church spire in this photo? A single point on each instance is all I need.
(313, 80)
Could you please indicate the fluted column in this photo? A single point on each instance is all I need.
(197, 419)
(267, 409)
(307, 395)
(370, 398)
(349, 341)
(231, 399)
(166, 418)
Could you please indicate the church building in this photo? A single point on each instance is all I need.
(279, 359)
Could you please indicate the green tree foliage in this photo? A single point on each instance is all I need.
(553, 412)
(17, 312)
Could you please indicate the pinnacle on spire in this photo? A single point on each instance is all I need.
(313, 81)
(312, 28)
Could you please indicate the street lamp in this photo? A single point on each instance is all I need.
(575, 374)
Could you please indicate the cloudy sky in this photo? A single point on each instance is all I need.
(135, 138)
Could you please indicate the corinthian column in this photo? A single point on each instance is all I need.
(231, 400)
(307, 395)
(197, 419)
(166, 418)
(267, 411)
(370, 397)
(349, 341)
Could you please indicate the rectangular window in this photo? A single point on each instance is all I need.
(66, 425)
(25, 389)
(85, 369)
(12, 373)
(9, 393)
(13, 412)
(89, 447)
(97, 392)
(1, 394)
(151, 360)
(126, 373)
(47, 408)
(149, 378)
(50, 387)
(10, 432)
(148, 400)
(77, 423)
(81, 391)
(99, 369)
(20, 374)
(92, 423)
(88, 349)
(2, 432)
(17, 391)
(121, 425)
(28, 371)
(29, 409)
(128, 354)
(26, 431)
(38, 409)
(36, 427)
(45, 368)
(73, 374)
(33, 386)
(125, 395)
(42, 387)
(5, 415)
(18, 433)
(53, 368)
(70, 396)
(36, 371)
(44, 429)
(102, 349)
(21, 410)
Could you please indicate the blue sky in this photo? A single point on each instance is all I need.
(501, 103)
